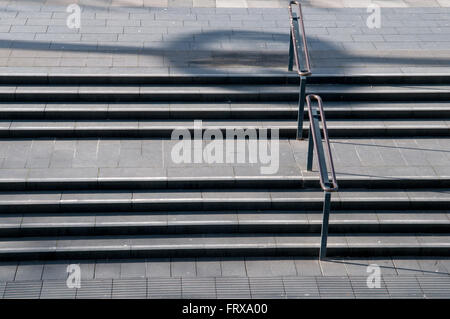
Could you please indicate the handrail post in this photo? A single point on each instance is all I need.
(291, 52)
(325, 219)
(301, 107)
(309, 163)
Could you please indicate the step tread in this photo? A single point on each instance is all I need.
(220, 195)
(239, 175)
(211, 124)
(189, 88)
(220, 241)
(219, 106)
(164, 128)
(163, 219)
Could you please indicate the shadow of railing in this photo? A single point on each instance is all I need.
(208, 51)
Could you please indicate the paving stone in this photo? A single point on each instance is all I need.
(403, 287)
(164, 288)
(57, 289)
(196, 288)
(55, 271)
(23, 290)
(232, 287)
(362, 290)
(29, 271)
(407, 266)
(333, 267)
(129, 289)
(158, 268)
(434, 286)
(334, 287)
(183, 267)
(87, 269)
(95, 289)
(356, 267)
(7, 271)
(208, 267)
(133, 269)
(107, 270)
(307, 267)
(432, 267)
(257, 267)
(2, 288)
(301, 287)
(233, 267)
(262, 288)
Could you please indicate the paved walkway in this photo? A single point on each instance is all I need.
(226, 267)
(228, 278)
(240, 3)
(88, 159)
(235, 288)
(199, 40)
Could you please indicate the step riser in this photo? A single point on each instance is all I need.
(284, 133)
(292, 78)
(212, 114)
(218, 229)
(162, 97)
(231, 252)
(307, 204)
(111, 79)
(195, 183)
(220, 97)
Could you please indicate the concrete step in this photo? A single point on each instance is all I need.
(222, 93)
(98, 212)
(165, 128)
(232, 110)
(210, 222)
(218, 199)
(147, 79)
(230, 245)
(287, 177)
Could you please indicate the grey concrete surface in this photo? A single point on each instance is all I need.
(97, 159)
(224, 267)
(183, 40)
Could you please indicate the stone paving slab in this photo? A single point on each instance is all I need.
(236, 268)
(91, 160)
(56, 289)
(183, 40)
(108, 4)
(418, 286)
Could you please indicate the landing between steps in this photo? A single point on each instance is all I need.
(143, 163)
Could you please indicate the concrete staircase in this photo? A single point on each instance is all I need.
(126, 212)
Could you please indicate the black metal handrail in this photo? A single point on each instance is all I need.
(294, 44)
(294, 54)
(317, 115)
(314, 116)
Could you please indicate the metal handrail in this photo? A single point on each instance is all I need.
(315, 143)
(294, 40)
(323, 170)
(294, 54)
(315, 135)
